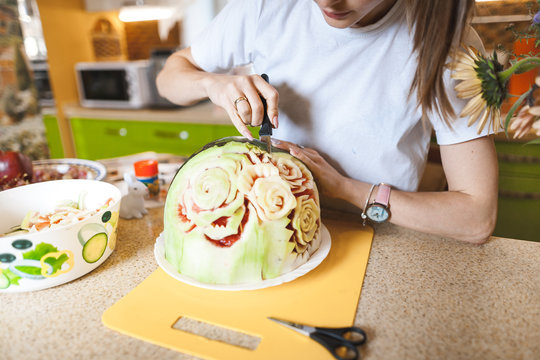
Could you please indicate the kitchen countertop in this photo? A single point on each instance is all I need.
(423, 297)
(204, 113)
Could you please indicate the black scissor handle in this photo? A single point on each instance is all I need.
(340, 348)
(352, 334)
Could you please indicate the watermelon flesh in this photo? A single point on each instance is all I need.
(236, 214)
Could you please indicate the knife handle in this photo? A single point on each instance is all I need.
(266, 126)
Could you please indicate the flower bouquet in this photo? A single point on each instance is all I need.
(484, 81)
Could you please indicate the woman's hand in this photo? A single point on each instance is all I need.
(329, 180)
(182, 82)
(240, 96)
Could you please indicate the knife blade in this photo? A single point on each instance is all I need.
(265, 132)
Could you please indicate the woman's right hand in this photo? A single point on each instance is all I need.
(240, 96)
(182, 82)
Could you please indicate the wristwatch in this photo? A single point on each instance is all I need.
(379, 210)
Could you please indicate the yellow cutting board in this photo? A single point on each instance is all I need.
(326, 296)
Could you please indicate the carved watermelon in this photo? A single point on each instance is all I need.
(236, 214)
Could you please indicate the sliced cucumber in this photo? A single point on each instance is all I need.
(95, 247)
(4, 281)
(89, 230)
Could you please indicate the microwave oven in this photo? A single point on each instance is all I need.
(114, 84)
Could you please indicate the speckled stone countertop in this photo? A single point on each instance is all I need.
(423, 297)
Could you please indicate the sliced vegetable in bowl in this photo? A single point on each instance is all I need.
(66, 212)
(61, 234)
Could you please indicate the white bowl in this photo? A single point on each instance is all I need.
(39, 260)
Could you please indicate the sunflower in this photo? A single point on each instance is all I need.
(480, 82)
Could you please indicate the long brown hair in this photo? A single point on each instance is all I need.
(439, 26)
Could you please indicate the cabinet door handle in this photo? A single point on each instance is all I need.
(521, 159)
(116, 132)
(183, 135)
(508, 194)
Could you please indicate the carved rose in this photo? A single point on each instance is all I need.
(211, 200)
(272, 198)
(294, 172)
(210, 189)
(305, 221)
(269, 193)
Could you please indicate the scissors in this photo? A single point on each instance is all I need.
(341, 342)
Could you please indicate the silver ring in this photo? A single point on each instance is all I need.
(241, 98)
(300, 146)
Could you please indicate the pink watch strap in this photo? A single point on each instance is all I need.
(383, 194)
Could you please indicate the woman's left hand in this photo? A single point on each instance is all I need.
(329, 180)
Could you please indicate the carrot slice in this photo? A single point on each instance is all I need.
(42, 225)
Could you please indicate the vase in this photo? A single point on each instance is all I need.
(520, 83)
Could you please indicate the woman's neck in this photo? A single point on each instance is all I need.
(378, 12)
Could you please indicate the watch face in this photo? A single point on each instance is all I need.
(377, 213)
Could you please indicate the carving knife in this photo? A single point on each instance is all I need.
(265, 132)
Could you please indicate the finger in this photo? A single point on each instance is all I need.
(298, 153)
(243, 109)
(311, 152)
(288, 146)
(284, 145)
(305, 154)
(238, 123)
(270, 94)
(257, 107)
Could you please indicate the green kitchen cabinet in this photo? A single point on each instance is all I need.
(106, 138)
(52, 133)
(519, 191)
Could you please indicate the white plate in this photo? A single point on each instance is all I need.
(312, 263)
(96, 170)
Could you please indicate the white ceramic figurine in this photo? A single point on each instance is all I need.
(132, 204)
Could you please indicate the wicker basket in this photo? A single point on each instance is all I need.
(105, 41)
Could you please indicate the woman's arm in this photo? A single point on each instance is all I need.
(182, 82)
(467, 211)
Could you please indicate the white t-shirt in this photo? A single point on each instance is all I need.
(343, 92)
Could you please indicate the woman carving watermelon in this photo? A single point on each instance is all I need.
(360, 83)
